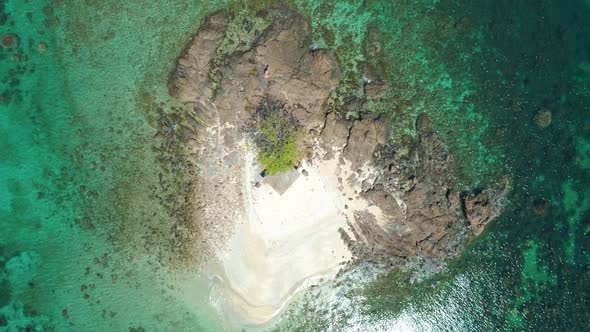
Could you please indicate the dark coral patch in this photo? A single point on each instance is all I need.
(10, 41)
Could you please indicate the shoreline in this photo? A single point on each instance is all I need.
(273, 253)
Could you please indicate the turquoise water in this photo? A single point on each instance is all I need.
(79, 247)
(87, 204)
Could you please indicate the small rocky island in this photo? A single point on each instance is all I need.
(337, 193)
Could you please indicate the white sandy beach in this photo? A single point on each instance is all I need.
(286, 242)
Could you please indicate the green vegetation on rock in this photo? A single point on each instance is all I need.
(244, 27)
(275, 134)
(283, 158)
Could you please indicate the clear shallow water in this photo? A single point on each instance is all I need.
(83, 241)
(77, 162)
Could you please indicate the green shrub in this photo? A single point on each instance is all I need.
(276, 135)
(281, 159)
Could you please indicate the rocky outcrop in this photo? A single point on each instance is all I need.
(478, 210)
(422, 211)
(189, 81)
(435, 218)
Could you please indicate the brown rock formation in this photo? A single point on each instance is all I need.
(425, 213)
(190, 80)
(434, 219)
(478, 210)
